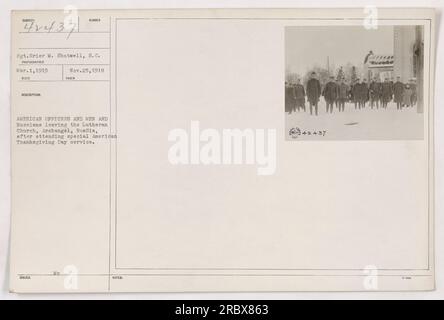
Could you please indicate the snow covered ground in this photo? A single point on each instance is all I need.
(364, 124)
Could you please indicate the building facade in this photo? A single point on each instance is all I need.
(408, 49)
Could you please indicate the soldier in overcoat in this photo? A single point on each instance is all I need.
(398, 90)
(342, 95)
(313, 90)
(299, 95)
(289, 96)
(355, 92)
(364, 96)
(375, 93)
(386, 92)
(330, 93)
(407, 96)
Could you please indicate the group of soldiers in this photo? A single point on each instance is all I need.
(339, 92)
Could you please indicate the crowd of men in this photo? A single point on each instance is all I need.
(339, 92)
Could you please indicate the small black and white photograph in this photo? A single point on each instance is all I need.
(354, 83)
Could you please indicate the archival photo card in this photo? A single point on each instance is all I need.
(222, 150)
(354, 82)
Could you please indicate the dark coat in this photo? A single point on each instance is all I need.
(364, 92)
(289, 98)
(330, 91)
(360, 92)
(407, 96)
(299, 95)
(299, 91)
(357, 91)
(386, 91)
(398, 89)
(313, 90)
(375, 90)
(352, 92)
(342, 93)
